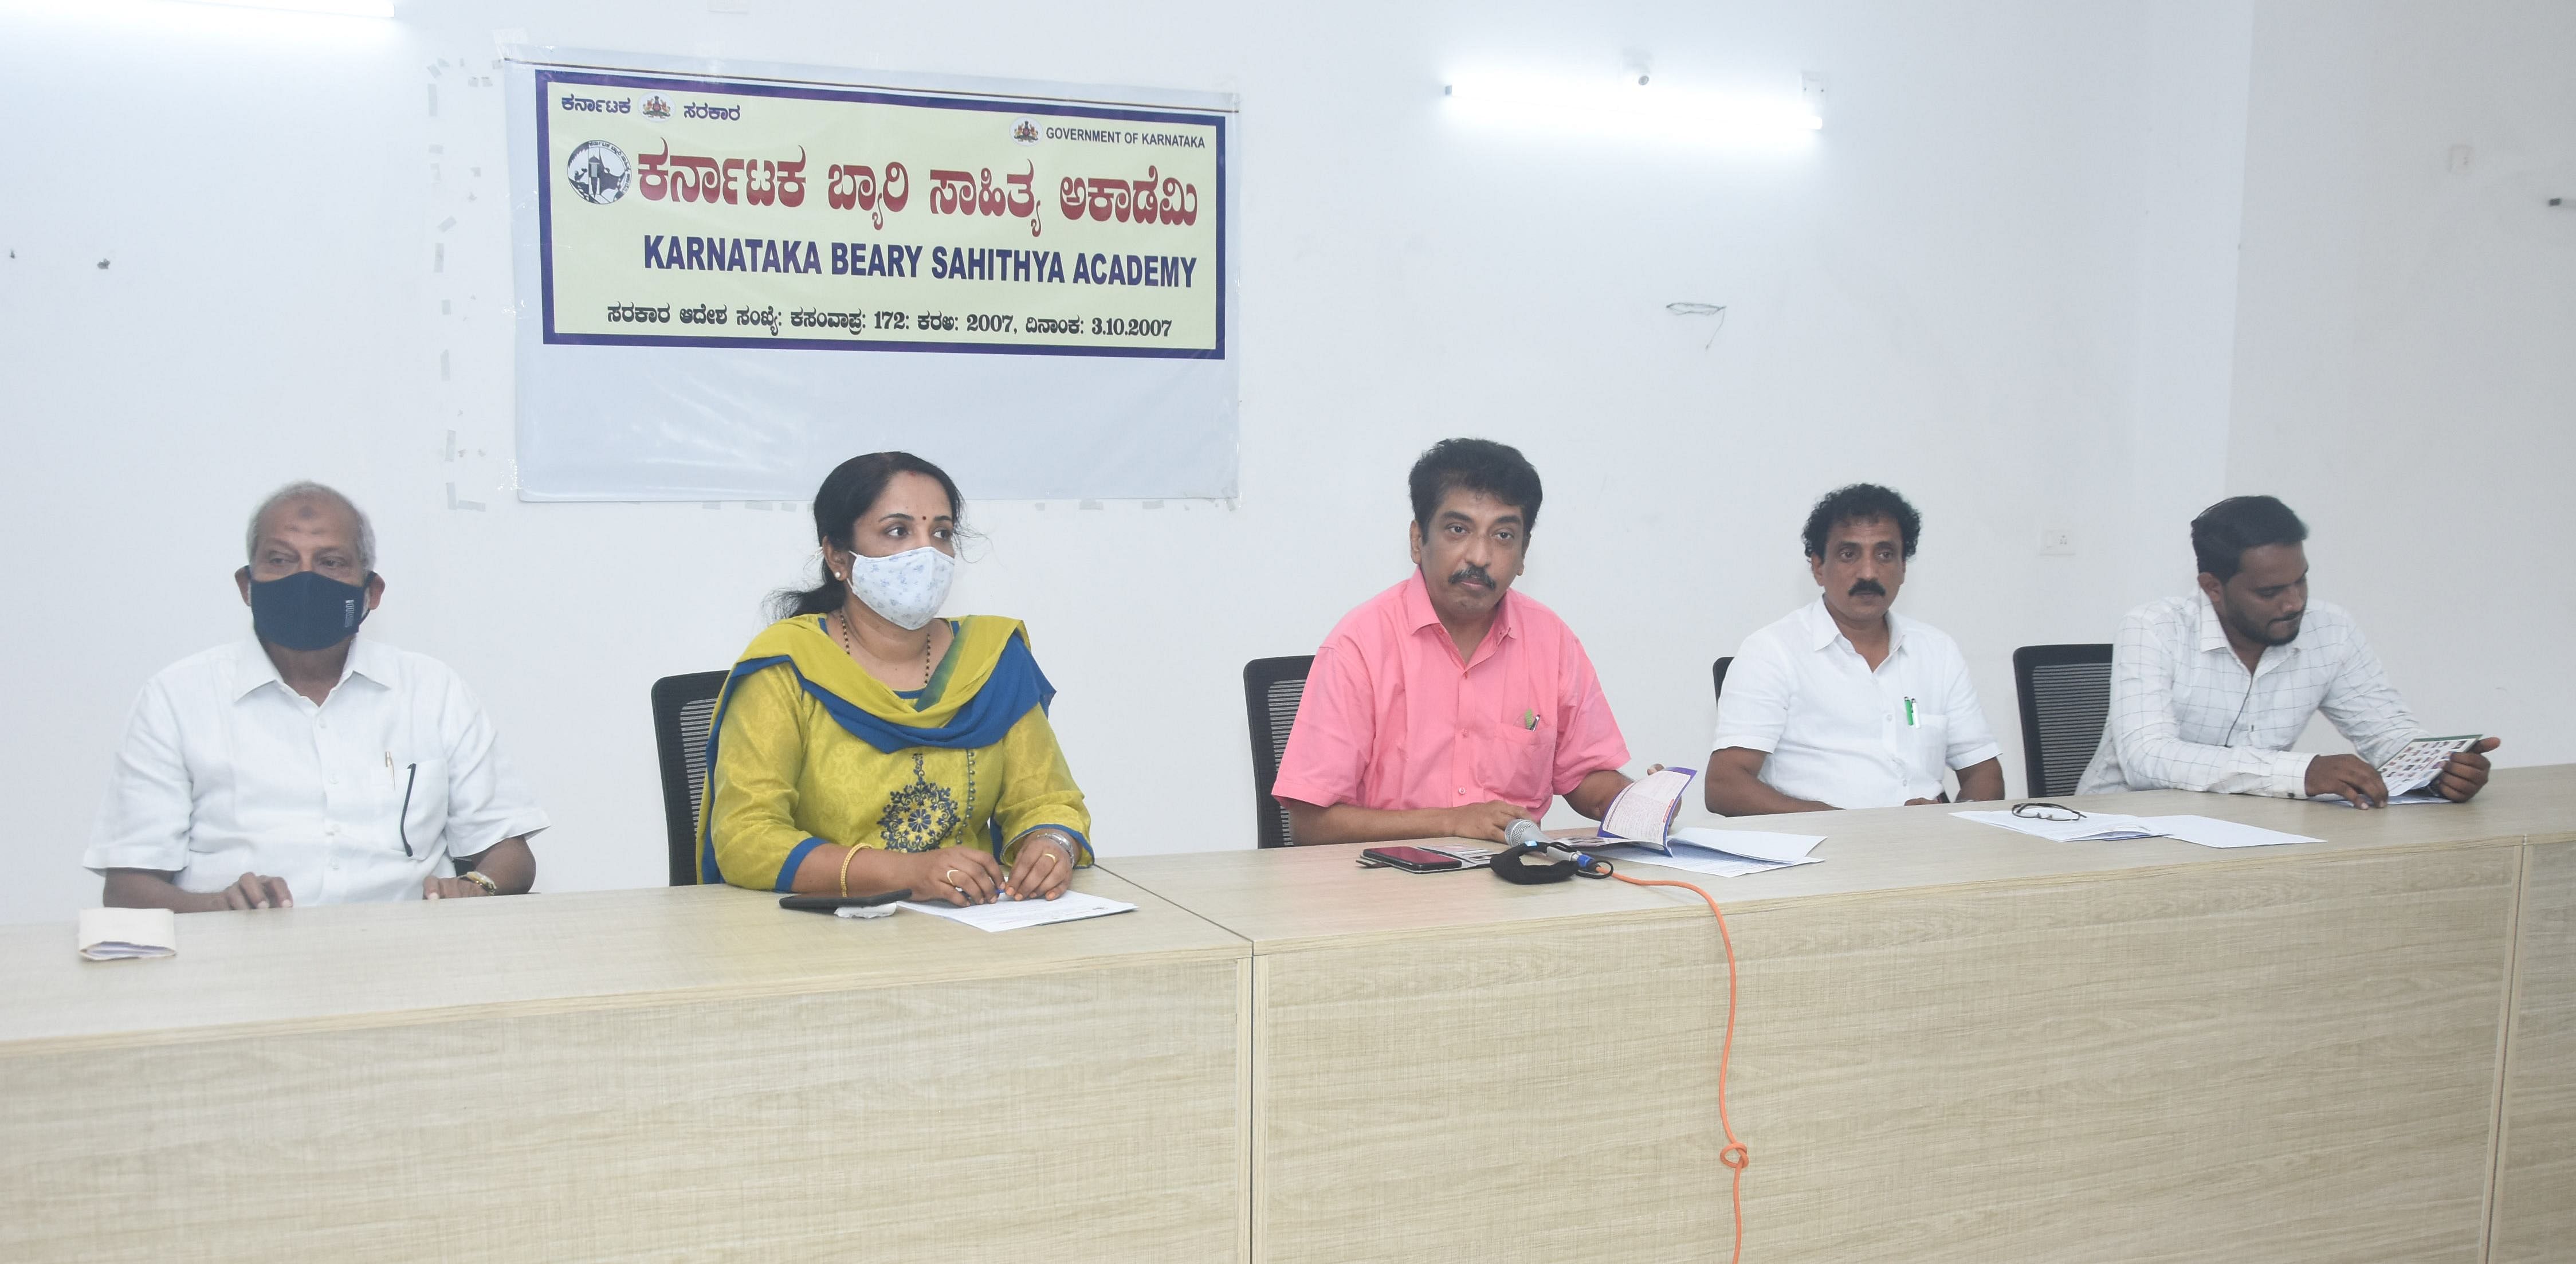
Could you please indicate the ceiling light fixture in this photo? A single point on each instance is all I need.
(1631, 107)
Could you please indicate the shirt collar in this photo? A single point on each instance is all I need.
(370, 659)
(2213, 637)
(1822, 631)
(254, 668)
(1419, 614)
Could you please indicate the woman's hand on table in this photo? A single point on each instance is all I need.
(956, 875)
(1045, 867)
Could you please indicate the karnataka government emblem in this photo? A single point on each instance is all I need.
(1026, 133)
(599, 172)
(656, 107)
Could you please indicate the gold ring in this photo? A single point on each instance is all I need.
(952, 877)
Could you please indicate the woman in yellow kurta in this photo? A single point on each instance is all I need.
(863, 745)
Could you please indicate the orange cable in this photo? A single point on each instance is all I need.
(1734, 1156)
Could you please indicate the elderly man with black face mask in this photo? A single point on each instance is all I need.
(306, 763)
(2208, 691)
(1845, 703)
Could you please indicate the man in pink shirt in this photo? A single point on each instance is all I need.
(1450, 705)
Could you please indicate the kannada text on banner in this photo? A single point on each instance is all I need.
(679, 211)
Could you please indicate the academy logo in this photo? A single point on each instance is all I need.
(599, 172)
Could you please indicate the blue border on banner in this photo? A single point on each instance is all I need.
(546, 77)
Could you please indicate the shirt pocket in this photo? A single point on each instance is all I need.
(1932, 741)
(416, 815)
(1517, 762)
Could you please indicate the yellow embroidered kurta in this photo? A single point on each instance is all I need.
(792, 770)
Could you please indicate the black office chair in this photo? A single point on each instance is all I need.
(1272, 688)
(684, 708)
(1718, 670)
(2065, 693)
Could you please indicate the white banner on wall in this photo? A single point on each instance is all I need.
(732, 278)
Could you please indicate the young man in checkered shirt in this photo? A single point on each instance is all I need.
(2208, 691)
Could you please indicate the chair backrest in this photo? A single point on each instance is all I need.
(2065, 693)
(1272, 688)
(684, 708)
(1718, 670)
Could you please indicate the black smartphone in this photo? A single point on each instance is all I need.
(1414, 859)
(830, 903)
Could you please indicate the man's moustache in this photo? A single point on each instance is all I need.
(1867, 586)
(1471, 574)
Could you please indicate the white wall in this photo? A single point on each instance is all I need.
(2406, 341)
(2004, 281)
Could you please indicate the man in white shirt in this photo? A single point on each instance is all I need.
(1844, 703)
(2208, 691)
(306, 764)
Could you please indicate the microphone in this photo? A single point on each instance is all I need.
(1533, 857)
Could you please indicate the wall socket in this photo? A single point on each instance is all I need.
(2056, 542)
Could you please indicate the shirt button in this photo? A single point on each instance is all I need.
(1462, 789)
(333, 829)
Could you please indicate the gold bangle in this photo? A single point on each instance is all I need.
(846, 858)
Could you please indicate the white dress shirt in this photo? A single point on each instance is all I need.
(224, 770)
(1837, 732)
(2186, 715)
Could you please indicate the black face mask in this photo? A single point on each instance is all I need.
(307, 610)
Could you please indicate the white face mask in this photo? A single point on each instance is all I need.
(907, 588)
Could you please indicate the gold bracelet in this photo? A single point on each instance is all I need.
(846, 858)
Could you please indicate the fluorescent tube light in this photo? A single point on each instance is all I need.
(346, 8)
(1622, 108)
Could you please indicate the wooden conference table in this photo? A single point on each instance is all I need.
(1955, 1043)
(686, 1073)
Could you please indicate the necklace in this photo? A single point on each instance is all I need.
(929, 635)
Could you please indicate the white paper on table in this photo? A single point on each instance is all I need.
(1787, 849)
(1698, 860)
(2095, 827)
(116, 934)
(1002, 915)
(1643, 813)
(2209, 831)
(2395, 801)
